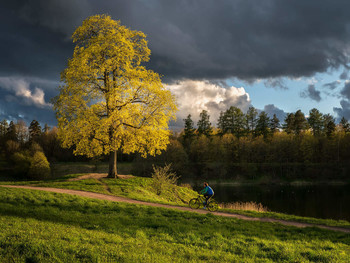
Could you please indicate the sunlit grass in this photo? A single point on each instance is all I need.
(247, 206)
(141, 188)
(38, 226)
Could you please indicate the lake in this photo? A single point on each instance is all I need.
(320, 201)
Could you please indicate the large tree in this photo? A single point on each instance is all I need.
(109, 100)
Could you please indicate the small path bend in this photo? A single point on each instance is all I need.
(199, 211)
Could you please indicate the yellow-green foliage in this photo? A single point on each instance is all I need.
(142, 188)
(109, 101)
(21, 162)
(138, 188)
(39, 166)
(163, 178)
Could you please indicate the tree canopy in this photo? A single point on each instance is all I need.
(109, 100)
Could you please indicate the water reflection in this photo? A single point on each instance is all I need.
(320, 201)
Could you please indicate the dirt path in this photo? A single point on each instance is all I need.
(132, 201)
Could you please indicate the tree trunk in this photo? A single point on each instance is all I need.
(112, 171)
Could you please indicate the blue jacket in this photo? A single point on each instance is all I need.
(207, 190)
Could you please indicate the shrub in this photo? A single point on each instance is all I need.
(39, 167)
(35, 147)
(163, 178)
(21, 162)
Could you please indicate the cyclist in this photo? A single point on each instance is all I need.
(208, 192)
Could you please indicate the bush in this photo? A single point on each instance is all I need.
(21, 162)
(163, 178)
(39, 167)
(35, 147)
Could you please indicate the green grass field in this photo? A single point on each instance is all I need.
(38, 226)
(141, 188)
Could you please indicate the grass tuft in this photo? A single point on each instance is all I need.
(247, 206)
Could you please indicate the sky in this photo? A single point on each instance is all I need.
(275, 55)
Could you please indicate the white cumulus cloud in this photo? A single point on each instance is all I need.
(20, 89)
(193, 96)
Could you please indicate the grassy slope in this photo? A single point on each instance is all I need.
(45, 227)
(138, 188)
(141, 188)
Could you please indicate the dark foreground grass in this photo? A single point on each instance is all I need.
(38, 226)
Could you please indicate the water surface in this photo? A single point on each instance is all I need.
(320, 201)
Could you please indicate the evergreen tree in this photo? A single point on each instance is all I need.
(345, 125)
(300, 122)
(274, 124)
(189, 127)
(34, 130)
(234, 121)
(204, 125)
(11, 132)
(262, 125)
(251, 118)
(222, 123)
(315, 121)
(289, 123)
(328, 124)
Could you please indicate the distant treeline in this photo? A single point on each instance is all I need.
(252, 146)
(241, 146)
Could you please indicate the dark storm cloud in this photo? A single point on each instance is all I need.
(311, 93)
(192, 39)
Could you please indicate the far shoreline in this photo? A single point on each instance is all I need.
(240, 182)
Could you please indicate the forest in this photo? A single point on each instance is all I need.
(247, 146)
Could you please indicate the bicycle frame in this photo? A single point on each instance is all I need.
(202, 198)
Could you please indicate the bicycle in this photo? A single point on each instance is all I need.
(195, 203)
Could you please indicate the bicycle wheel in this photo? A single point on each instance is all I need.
(213, 206)
(194, 203)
